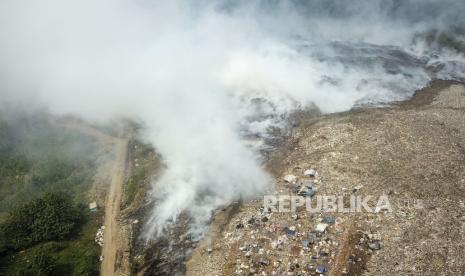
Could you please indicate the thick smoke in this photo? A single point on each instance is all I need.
(204, 74)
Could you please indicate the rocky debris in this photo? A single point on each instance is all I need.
(99, 235)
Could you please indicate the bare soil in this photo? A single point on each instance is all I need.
(115, 249)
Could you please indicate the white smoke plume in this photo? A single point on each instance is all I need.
(200, 74)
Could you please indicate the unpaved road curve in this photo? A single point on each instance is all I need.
(112, 242)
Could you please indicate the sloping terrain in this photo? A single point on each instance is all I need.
(413, 152)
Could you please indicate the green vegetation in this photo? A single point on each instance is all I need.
(75, 256)
(45, 175)
(143, 163)
(52, 217)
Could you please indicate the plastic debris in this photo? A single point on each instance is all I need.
(321, 269)
(290, 178)
(374, 245)
(311, 173)
(99, 236)
(321, 227)
(291, 231)
(306, 191)
(305, 243)
(329, 219)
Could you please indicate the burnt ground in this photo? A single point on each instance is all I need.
(413, 152)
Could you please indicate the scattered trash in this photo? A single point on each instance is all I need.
(321, 227)
(290, 178)
(375, 245)
(329, 219)
(356, 188)
(311, 238)
(239, 226)
(305, 243)
(99, 236)
(321, 269)
(291, 231)
(311, 173)
(263, 262)
(294, 188)
(306, 191)
(93, 207)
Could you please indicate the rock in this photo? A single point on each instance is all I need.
(375, 245)
(321, 227)
(290, 178)
(321, 269)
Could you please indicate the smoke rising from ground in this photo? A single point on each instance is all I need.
(201, 74)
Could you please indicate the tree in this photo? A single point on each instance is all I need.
(42, 263)
(52, 217)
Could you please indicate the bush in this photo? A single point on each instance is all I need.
(52, 217)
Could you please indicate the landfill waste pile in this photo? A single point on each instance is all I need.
(99, 235)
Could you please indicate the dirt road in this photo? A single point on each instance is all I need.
(112, 263)
(115, 260)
